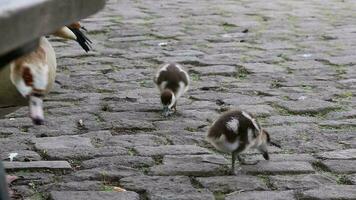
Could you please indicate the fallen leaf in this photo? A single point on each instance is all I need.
(119, 189)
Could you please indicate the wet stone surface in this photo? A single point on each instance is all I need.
(290, 63)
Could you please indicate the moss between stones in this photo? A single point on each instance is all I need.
(132, 152)
(158, 159)
(320, 167)
(195, 183)
(265, 179)
(38, 196)
(276, 84)
(219, 195)
(342, 179)
(195, 76)
(228, 26)
(242, 73)
(321, 114)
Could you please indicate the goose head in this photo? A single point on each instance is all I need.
(30, 76)
(73, 32)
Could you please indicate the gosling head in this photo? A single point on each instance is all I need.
(168, 100)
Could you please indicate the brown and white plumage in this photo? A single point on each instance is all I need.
(73, 32)
(173, 82)
(26, 79)
(237, 131)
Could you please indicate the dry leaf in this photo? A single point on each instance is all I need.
(119, 189)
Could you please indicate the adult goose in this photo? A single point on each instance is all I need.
(25, 81)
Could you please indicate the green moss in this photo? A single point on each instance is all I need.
(145, 83)
(284, 57)
(117, 19)
(320, 167)
(265, 179)
(195, 183)
(306, 87)
(276, 84)
(107, 188)
(158, 159)
(242, 73)
(342, 179)
(162, 37)
(345, 95)
(37, 196)
(190, 129)
(104, 91)
(195, 76)
(219, 196)
(228, 26)
(106, 108)
(132, 152)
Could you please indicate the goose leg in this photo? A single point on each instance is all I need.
(233, 159)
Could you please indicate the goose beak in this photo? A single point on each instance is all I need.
(36, 110)
(66, 33)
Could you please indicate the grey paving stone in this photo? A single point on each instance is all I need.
(12, 145)
(347, 154)
(301, 182)
(284, 167)
(85, 153)
(341, 166)
(284, 157)
(104, 173)
(38, 178)
(261, 195)
(165, 187)
(130, 126)
(93, 195)
(225, 184)
(215, 70)
(129, 141)
(54, 165)
(257, 110)
(76, 186)
(352, 178)
(339, 123)
(263, 68)
(170, 150)
(307, 106)
(130, 161)
(331, 192)
(280, 120)
(61, 142)
(342, 115)
(263, 62)
(180, 125)
(191, 165)
(23, 155)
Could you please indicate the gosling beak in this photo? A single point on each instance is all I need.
(36, 110)
(166, 111)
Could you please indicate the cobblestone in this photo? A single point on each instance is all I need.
(291, 63)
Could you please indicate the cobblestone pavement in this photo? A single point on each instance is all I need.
(291, 63)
